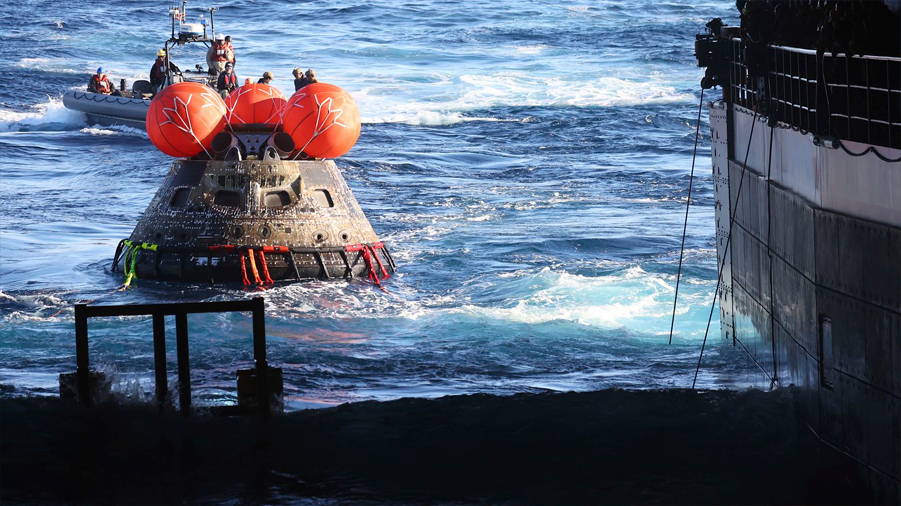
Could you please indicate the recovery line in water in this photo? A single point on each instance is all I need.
(691, 178)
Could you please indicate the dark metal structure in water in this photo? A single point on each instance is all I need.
(258, 388)
(253, 215)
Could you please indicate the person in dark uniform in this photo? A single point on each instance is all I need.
(228, 81)
(300, 80)
(266, 79)
(158, 71)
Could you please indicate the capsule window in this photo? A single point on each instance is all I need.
(180, 197)
(277, 199)
(228, 198)
(323, 198)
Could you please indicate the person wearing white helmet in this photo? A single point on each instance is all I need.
(219, 54)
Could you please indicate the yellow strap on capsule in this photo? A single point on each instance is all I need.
(130, 266)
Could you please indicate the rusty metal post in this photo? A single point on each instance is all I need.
(184, 365)
(259, 354)
(81, 354)
(159, 358)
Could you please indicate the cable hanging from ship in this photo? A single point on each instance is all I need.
(733, 211)
(687, 206)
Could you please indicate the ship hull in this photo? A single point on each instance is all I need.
(812, 281)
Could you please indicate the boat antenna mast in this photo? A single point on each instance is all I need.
(177, 14)
(186, 32)
(211, 10)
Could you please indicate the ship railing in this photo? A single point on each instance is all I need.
(258, 383)
(856, 98)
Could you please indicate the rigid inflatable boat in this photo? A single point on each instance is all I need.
(109, 110)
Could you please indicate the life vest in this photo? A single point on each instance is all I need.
(101, 83)
(229, 79)
(229, 52)
(221, 51)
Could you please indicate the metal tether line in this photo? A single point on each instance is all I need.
(719, 278)
(691, 179)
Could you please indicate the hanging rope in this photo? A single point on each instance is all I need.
(253, 267)
(378, 260)
(691, 178)
(719, 277)
(265, 268)
(769, 251)
(245, 281)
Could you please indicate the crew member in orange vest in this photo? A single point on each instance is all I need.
(230, 51)
(99, 83)
(219, 54)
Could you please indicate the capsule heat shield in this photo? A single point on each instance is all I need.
(211, 220)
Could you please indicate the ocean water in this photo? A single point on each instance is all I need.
(526, 162)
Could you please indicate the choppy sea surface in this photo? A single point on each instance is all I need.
(527, 163)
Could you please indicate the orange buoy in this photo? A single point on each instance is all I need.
(255, 103)
(323, 120)
(183, 119)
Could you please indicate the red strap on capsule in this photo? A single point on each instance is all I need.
(265, 268)
(373, 275)
(379, 261)
(244, 271)
(253, 267)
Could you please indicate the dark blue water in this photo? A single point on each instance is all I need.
(527, 162)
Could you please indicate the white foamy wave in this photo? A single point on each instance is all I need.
(428, 118)
(449, 101)
(356, 299)
(534, 49)
(120, 130)
(59, 65)
(632, 298)
(34, 307)
(51, 115)
(513, 89)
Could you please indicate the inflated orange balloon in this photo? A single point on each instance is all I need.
(255, 103)
(323, 120)
(183, 119)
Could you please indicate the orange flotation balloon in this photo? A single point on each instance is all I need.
(255, 103)
(184, 118)
(323, 120)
